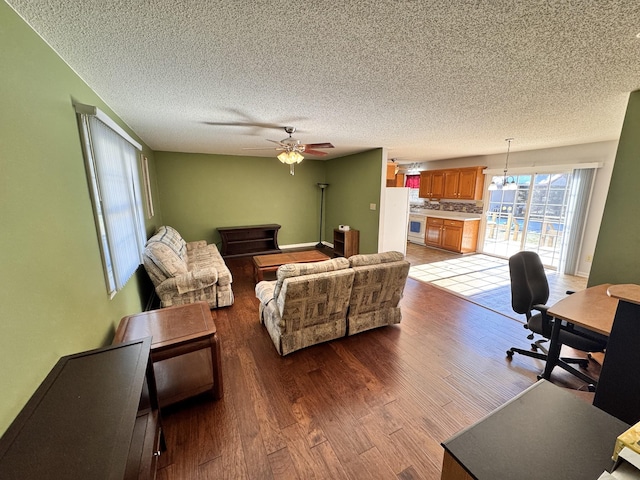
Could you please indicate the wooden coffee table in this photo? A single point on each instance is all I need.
(270, 263)
(184, 349)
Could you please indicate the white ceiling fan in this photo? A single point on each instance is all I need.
(292, 149)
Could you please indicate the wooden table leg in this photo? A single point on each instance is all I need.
(216, 366)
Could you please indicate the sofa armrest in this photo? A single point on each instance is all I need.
(224, 275)
(190, 281)
(264, 291)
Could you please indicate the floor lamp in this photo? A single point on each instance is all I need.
(322, 187)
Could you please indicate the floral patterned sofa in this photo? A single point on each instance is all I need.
(184, 272)
(310, 303)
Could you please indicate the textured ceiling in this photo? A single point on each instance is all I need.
(425, 79)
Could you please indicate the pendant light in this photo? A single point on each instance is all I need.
(508, 182)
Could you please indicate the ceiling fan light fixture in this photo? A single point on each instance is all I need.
(290, 157)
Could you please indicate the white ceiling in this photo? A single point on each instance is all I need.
(425, 79)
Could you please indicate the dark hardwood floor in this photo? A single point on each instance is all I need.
(373, 406)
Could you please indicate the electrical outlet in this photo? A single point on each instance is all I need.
(372, 206)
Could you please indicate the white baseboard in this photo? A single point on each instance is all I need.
(305, 245)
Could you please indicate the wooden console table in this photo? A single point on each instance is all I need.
(94, 416)
(249, 240)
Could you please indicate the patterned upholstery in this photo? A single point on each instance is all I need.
(311, 303)
(186, 272)
(307, 304)
(377, 290)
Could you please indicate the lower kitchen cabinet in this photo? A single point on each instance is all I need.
(455, 235)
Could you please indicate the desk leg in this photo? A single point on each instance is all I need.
(554, 349)
(216, 366)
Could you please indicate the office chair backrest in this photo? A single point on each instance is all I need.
(529, 284)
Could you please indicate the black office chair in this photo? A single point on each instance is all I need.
(529, 292)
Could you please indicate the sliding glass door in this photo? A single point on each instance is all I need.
(533, 216)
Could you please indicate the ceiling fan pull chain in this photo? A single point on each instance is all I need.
(291, 169)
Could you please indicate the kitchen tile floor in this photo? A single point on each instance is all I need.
(479, 278)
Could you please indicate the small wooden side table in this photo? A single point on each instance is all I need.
(184, 350)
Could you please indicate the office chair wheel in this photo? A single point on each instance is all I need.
(591, 387)
(530, 336)
(509, 354)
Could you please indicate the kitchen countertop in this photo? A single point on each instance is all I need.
(447, 215)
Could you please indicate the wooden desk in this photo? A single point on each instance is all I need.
(270, 263)
(592, 309)
(184, 350)
(546, 432)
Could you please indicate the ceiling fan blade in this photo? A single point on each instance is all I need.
(318, 145)
(275, 141)
(310, 151)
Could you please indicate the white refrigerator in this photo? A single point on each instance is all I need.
(395, 220)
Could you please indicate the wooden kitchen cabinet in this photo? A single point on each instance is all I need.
(433, 232)
(451, 181)
(391, 171)
(452, 184)
(432, 184)
(455, 235)
(470, 183)
(397, 181)
(452, 235)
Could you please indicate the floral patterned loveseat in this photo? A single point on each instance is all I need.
(184, 272)
(310, 303)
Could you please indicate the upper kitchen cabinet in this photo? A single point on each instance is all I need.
(392, 169)
(394, 179)
(432, 184)
(453, 184)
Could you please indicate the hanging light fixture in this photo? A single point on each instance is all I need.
(508, 182)
(290, 157)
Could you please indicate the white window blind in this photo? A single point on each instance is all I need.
(112, 169)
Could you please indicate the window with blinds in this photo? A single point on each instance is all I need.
(111, 158)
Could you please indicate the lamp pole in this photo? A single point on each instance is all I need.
(322, 187)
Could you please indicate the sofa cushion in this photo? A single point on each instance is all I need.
(171, 238)
(297, 269)
(374, 258)
(164, 259)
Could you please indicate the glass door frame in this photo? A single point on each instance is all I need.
(514, 219)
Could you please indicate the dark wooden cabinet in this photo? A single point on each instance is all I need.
(94, 416)
(249, 240)
(346, 242)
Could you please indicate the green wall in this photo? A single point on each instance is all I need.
(354, 183)
(202, 192)
(199, 193)
(53, 295)
(617, 255)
